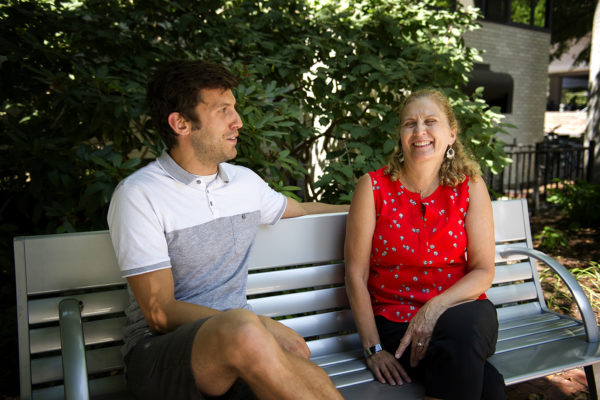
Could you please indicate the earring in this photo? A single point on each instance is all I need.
(450, 153)
(400, 156)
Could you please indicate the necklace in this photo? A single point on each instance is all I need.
(426, 191)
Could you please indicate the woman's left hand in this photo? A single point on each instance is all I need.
(419, 332)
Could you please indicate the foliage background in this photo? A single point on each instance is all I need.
(572, 21)
(320, 83)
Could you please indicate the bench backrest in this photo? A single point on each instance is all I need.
(296, 275)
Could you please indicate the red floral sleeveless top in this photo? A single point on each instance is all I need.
(415, 255)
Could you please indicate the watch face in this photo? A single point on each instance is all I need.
(372, 350)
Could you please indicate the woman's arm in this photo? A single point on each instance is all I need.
(359, 235)
(479, 225)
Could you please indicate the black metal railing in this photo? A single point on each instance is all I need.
(535, 169)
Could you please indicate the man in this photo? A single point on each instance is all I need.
(182, 228)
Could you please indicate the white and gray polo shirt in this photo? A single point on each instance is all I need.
(164, 217)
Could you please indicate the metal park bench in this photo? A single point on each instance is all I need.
(70, 301)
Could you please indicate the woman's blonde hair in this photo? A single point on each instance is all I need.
(453, 170)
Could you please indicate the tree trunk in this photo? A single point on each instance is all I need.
(593, 125)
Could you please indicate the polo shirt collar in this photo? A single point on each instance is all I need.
(178, 173)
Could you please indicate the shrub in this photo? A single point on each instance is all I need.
(579, 200)
(320, 85)
(552, 238)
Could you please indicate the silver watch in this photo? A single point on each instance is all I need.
(372, 350)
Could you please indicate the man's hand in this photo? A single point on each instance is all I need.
(287, 338)
(297, 209)
(387, 369)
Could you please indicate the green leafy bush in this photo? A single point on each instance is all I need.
(320, 85)
(552, 238)
(579, 200)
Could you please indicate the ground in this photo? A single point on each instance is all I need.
(583, 248)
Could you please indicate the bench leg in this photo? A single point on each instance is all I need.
(592, 374)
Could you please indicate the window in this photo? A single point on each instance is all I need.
(533, 13)
(541, 11)
(520, 11)
(493, 10)
(498, 87)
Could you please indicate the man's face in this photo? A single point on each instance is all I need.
(215, 133)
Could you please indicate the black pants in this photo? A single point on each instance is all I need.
(455, 366)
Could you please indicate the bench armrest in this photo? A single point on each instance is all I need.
(73, 350)
(585, 308)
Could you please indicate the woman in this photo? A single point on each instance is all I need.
(417, 299)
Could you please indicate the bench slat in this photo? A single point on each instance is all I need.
(345, 367)
(97, 303)
(322, 241)
(516, 213)
(522, 342)
(513, 272)
(338, 358)
(333, 345)
(352, 378)
(289, 279)
(49, 369)
(321, 324)
(296, 303)
(535, 328)
(105, 388)
(512, 293)
(507, 313)
(95, 332)
(86, 260)
(528, 320)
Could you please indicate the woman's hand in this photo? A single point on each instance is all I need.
(387, 369)
(419, 332)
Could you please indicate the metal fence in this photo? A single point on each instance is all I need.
(535, 168)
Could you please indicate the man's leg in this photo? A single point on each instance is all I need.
(235, 344)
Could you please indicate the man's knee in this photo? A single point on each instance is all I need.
(243, 337)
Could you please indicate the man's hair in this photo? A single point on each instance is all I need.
(176, 86)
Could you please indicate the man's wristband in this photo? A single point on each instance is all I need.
(372, 350)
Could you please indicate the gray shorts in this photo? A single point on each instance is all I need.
(159, 367)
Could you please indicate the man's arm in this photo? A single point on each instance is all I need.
(296, 209)
(154, 292)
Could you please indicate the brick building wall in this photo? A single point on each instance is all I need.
(522, 53)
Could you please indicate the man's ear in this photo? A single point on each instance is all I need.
(179, 124)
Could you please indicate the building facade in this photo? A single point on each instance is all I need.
(515, 41)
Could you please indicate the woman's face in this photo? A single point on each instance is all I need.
(425, 132)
